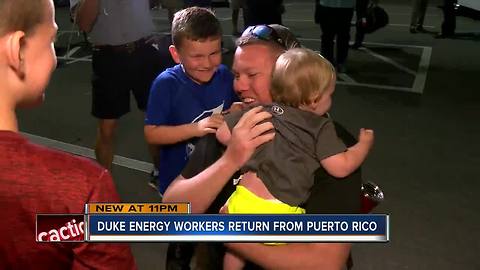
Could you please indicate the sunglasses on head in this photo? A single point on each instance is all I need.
(264, 32)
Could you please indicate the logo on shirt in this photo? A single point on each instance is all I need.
(277, 110)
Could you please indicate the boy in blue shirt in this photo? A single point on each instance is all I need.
(186, 100)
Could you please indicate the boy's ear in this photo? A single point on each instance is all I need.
(15, 52)
(174, 52)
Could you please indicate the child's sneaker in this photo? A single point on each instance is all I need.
(153, 183)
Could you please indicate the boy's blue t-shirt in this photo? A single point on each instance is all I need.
(176, 100)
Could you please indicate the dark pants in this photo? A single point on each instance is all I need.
(359, 33)
(361, 7)
(449, 21)
(263, 12)
(179, 256)
(335, 23)
(418, 12)
(117, 71)
(198, 3)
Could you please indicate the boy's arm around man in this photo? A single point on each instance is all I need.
(162, 103)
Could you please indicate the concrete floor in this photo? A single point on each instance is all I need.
(419, 94)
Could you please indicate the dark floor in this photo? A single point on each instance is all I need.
(420, 95)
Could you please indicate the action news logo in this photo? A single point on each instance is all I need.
(60, 228)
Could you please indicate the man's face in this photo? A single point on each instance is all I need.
(200, 59)
(252, 68)
(39, 57)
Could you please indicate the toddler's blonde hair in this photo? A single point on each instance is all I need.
(300, 77)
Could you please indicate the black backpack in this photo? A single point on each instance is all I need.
(377, 18)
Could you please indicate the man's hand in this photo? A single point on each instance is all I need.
(247, 135)
(209, 125)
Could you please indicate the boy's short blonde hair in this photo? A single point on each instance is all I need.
(21, 15)
(195, 23)
(300, 76)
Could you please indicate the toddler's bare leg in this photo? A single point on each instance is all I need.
(232, 262)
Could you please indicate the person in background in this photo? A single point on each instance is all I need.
(125, 60)
(449, 20)
(361, 9)
(198, 3)
(418, 16)
(172, 6)
(263, 12)
(236, 5)
(207, 179)
(62, 183)
(335, 17)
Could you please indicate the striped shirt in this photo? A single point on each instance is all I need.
(120, 21)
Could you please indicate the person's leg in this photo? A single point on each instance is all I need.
(154, 151)
(344, 17)
(415, 15)
(277, 13)
(179, 256)
(172, 6)
(235, 6)
(198, 3)
(235, 13)
(449, 21)
(170, 13)
(248, 14)
(359, 34)
(105, 142)
(263, 12)
(328, 32)
(110, 99)
(421, 14)
(415, 12)
(361, 10)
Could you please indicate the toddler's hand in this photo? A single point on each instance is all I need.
(366, 136)
(224, 209)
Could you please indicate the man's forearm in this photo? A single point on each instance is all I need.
(325, 256)
(169, 134)
(203, 188)
(86, 13)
